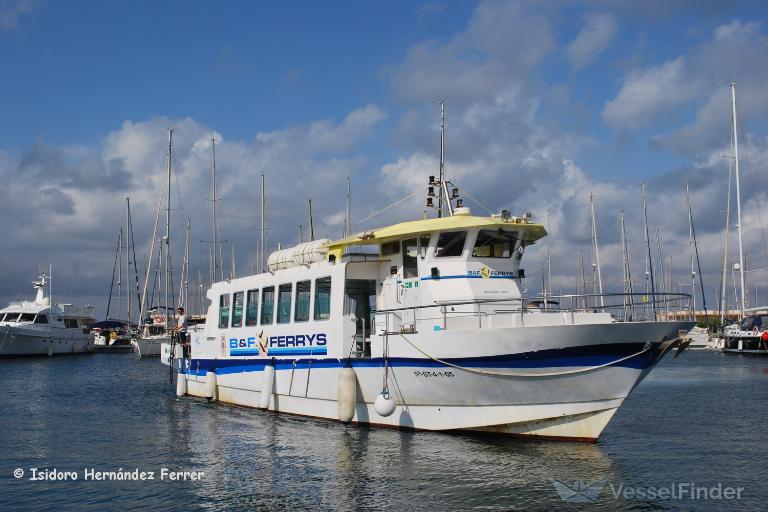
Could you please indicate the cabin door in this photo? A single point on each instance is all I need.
(409, 285)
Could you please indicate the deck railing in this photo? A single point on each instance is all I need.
(622, 307)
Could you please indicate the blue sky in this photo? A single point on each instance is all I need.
(546, 102)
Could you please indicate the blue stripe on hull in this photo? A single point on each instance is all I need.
(585, 356)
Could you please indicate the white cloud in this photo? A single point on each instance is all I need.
(644, 94)
(12, 11)
(598, 32)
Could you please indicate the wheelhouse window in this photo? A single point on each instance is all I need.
(450, 243)
(284, 303)
(267, 304)
(252, 308)
(41, 319)
(302, 301)
(70, 323)
(423, 245)
(237, 309)
(390, 248)
(494, 244)
(11, 317)
(26, 317)
(323, 298)
(410, 261)
(224, 311)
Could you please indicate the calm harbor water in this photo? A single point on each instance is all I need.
(701, 418)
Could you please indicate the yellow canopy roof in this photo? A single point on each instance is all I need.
(529, 232)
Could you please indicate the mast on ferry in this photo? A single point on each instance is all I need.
(442, 159)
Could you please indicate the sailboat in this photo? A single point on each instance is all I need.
(114, 335)
(750, 334)
(156, 328)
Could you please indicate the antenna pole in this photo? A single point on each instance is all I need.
(738, 196)
(347, 219)
(128, 258)
(311, 225)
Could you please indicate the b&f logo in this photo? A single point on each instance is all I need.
(579, 491)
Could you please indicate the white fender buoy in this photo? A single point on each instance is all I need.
(347, 394)
(50, 349)
(384, 404)
(210, 385)
(741, 345)
(181, 384)
(267, 386)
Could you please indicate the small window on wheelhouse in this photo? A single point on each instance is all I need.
(252, 308)
(302, 301)
(390, 248)
(322, 298)
(450, 243)
(284, 303)
(41, 319)
(70, 323)
(224, 311)
(494, 244)
(423, 245)
(267, 305)
(237, 309)
(410, 254)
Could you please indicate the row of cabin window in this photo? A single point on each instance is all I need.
(247, 304)
(37, 319)
(488, 244)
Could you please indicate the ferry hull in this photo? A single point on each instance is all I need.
(568, 393)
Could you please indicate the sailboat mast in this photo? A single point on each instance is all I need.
(213, 210)
(442, 159)
(263, 245)
(724, 277)
(596, 252)
(648, 260)
(168, 229)
(690, 248)
(120, 274)
(128, 258)
(738, 196)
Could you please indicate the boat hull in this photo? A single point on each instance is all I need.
(150, 347)
(566, 392)
(19, 343)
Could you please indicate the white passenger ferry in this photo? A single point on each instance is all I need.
(421, 325)
(35, 328)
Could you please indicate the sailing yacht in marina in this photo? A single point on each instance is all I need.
(750, 334)
(38, 328)
(155, 330)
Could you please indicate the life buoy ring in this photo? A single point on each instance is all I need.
(158, 319)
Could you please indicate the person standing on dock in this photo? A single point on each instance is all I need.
(180, 331)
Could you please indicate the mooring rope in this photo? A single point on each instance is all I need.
(513, 374)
